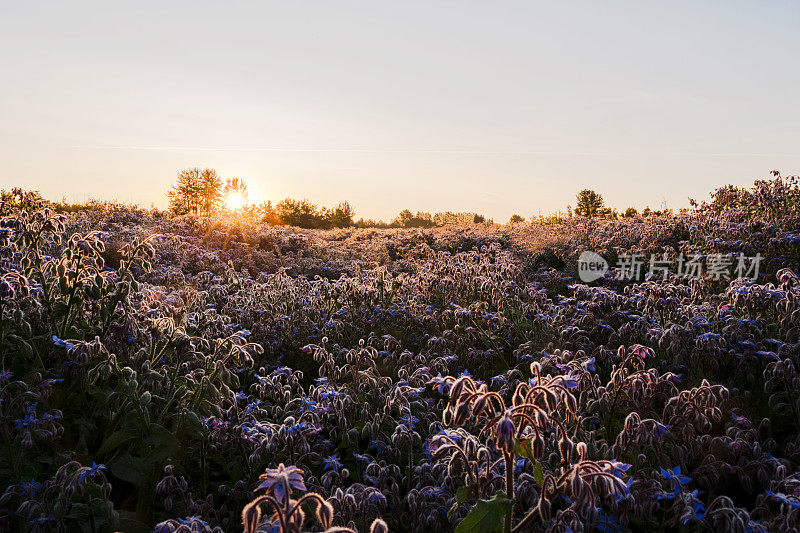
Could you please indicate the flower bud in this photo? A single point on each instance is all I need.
(505, 430)
(378, 526)
(537, 444)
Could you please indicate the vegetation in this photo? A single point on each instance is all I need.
(186, 373)
(197, 191)
(589, 203)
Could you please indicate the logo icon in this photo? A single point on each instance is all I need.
(591, 266)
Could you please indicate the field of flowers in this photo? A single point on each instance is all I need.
(192, 374)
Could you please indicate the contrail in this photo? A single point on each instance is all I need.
(424, 151)
(343, 150)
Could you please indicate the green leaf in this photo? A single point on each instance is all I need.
(486, 516)
(163, 441)
(525, 449)
(130, 469)
(129, 523)
(538, 474)
(464, 493)
(115, 440)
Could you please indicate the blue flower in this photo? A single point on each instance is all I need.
(697, 509)
(296, 428)
(62, 343)
(41, 520)
(30, 419)
(332, 463)
(30, 488)
(377, 445)
(624, 492)
(308, 404)
(676, 477)
(90, 472)
(252, 407)
(362, 458)
(439, 383)
(569, 382)
(409, 420)
(607, 523)
(660, 430)
(432, 491)
(792, 501)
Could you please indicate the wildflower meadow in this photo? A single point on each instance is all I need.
(188, 373)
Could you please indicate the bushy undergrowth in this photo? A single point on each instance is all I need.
(186, 374)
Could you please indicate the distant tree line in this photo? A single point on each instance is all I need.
(202, 192)
(590, 204)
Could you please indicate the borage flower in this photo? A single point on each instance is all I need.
(280, 481)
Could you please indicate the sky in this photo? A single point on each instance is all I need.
(496, 107)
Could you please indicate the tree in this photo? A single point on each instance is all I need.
(631, 212)
(184, 197)
(197, 191)
(589, 203)
(210, 190)
(301, 213)
(236, 189)
(341, 216)
(516, 219)
(408, 220)
(270, 214)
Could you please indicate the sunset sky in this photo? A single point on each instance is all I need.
(495, 107)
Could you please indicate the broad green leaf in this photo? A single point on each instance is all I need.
(486, 516)
(130, 469)
(163, 441)
(129, 523)
(115, 440)
(464, 493)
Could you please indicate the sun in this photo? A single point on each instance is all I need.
(235, 201)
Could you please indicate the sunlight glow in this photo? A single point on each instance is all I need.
(235, 201)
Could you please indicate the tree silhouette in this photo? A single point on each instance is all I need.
(184, 197)
(196, 191)
(589, 203)
(238, 187)
(341, 216)
(210, 190)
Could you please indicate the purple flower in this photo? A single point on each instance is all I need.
(439, 383)
(280, 481)
(504, 432)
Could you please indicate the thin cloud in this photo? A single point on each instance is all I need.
(422, 151)
(343, 150)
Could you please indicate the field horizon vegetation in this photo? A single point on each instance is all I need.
(229, 364)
